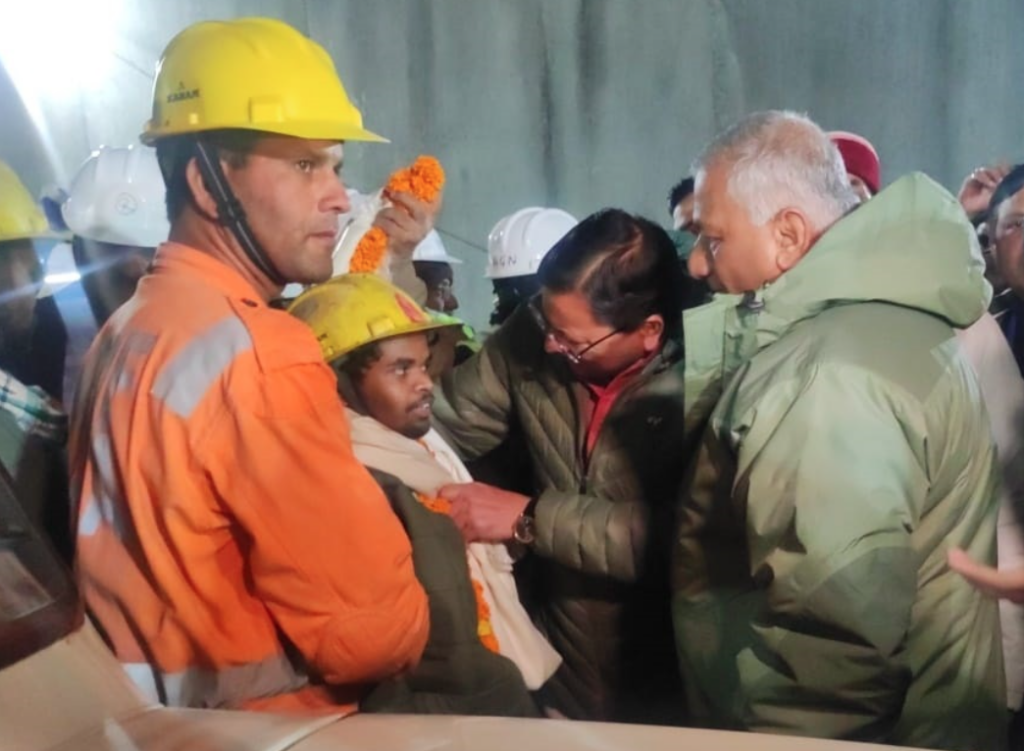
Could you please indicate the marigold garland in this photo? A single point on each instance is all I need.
(437, 505)
(369, 252)
(425, 180)
(484, 629)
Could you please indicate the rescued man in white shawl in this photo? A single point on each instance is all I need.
(484, 655)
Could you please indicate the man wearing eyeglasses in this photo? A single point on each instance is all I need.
(592, 372)
(995, 345)
(1005, 244)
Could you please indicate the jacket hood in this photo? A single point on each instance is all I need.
(911, 245)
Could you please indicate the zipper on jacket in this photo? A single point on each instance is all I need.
(752, 302)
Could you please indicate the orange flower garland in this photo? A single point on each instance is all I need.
(437, 505)
(369, 252)
(425, 180)
(484, 629)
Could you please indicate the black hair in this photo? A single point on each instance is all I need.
(626, 267)
(1008, 187)
(358, 361)
(175, 152)
(679, 191)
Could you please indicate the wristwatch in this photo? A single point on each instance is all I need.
(524, 531)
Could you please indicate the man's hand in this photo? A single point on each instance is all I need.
(484, 513)
(406, 222)
(979, 186)
(1006, 585)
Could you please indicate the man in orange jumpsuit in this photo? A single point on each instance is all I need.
(229, 544)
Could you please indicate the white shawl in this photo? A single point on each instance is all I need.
(425, 466)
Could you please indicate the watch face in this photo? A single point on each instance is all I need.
(525, 531)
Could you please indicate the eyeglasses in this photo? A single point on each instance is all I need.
(555, 338)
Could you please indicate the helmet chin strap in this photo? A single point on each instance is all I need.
(230, 212)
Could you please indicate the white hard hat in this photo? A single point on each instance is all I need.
(432, 249)
(118, 197)
(519, 242)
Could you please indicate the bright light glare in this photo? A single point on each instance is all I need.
(61, 269)
(68, 277)
(54, 49)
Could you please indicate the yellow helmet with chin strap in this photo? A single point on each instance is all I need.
(251, 73)
(20, 215)
(254, 74)
(352, 310)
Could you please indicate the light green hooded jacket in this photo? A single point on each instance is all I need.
(849, 452)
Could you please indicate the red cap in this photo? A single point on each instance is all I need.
(860, 157)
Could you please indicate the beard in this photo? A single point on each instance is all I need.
(416, 428)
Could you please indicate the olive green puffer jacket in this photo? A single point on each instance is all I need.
(602, 543)
(457, 673)
(847, 455)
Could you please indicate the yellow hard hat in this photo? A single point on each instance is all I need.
(20, 216)
(252, 73)
(356, 309)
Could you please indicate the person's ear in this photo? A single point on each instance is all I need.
(201, 197)
(652, 331)
(793, 235)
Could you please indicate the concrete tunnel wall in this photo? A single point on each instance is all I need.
(577, 103)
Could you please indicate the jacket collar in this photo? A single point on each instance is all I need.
(182, 260)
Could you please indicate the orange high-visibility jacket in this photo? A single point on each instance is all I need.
(221, 514)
